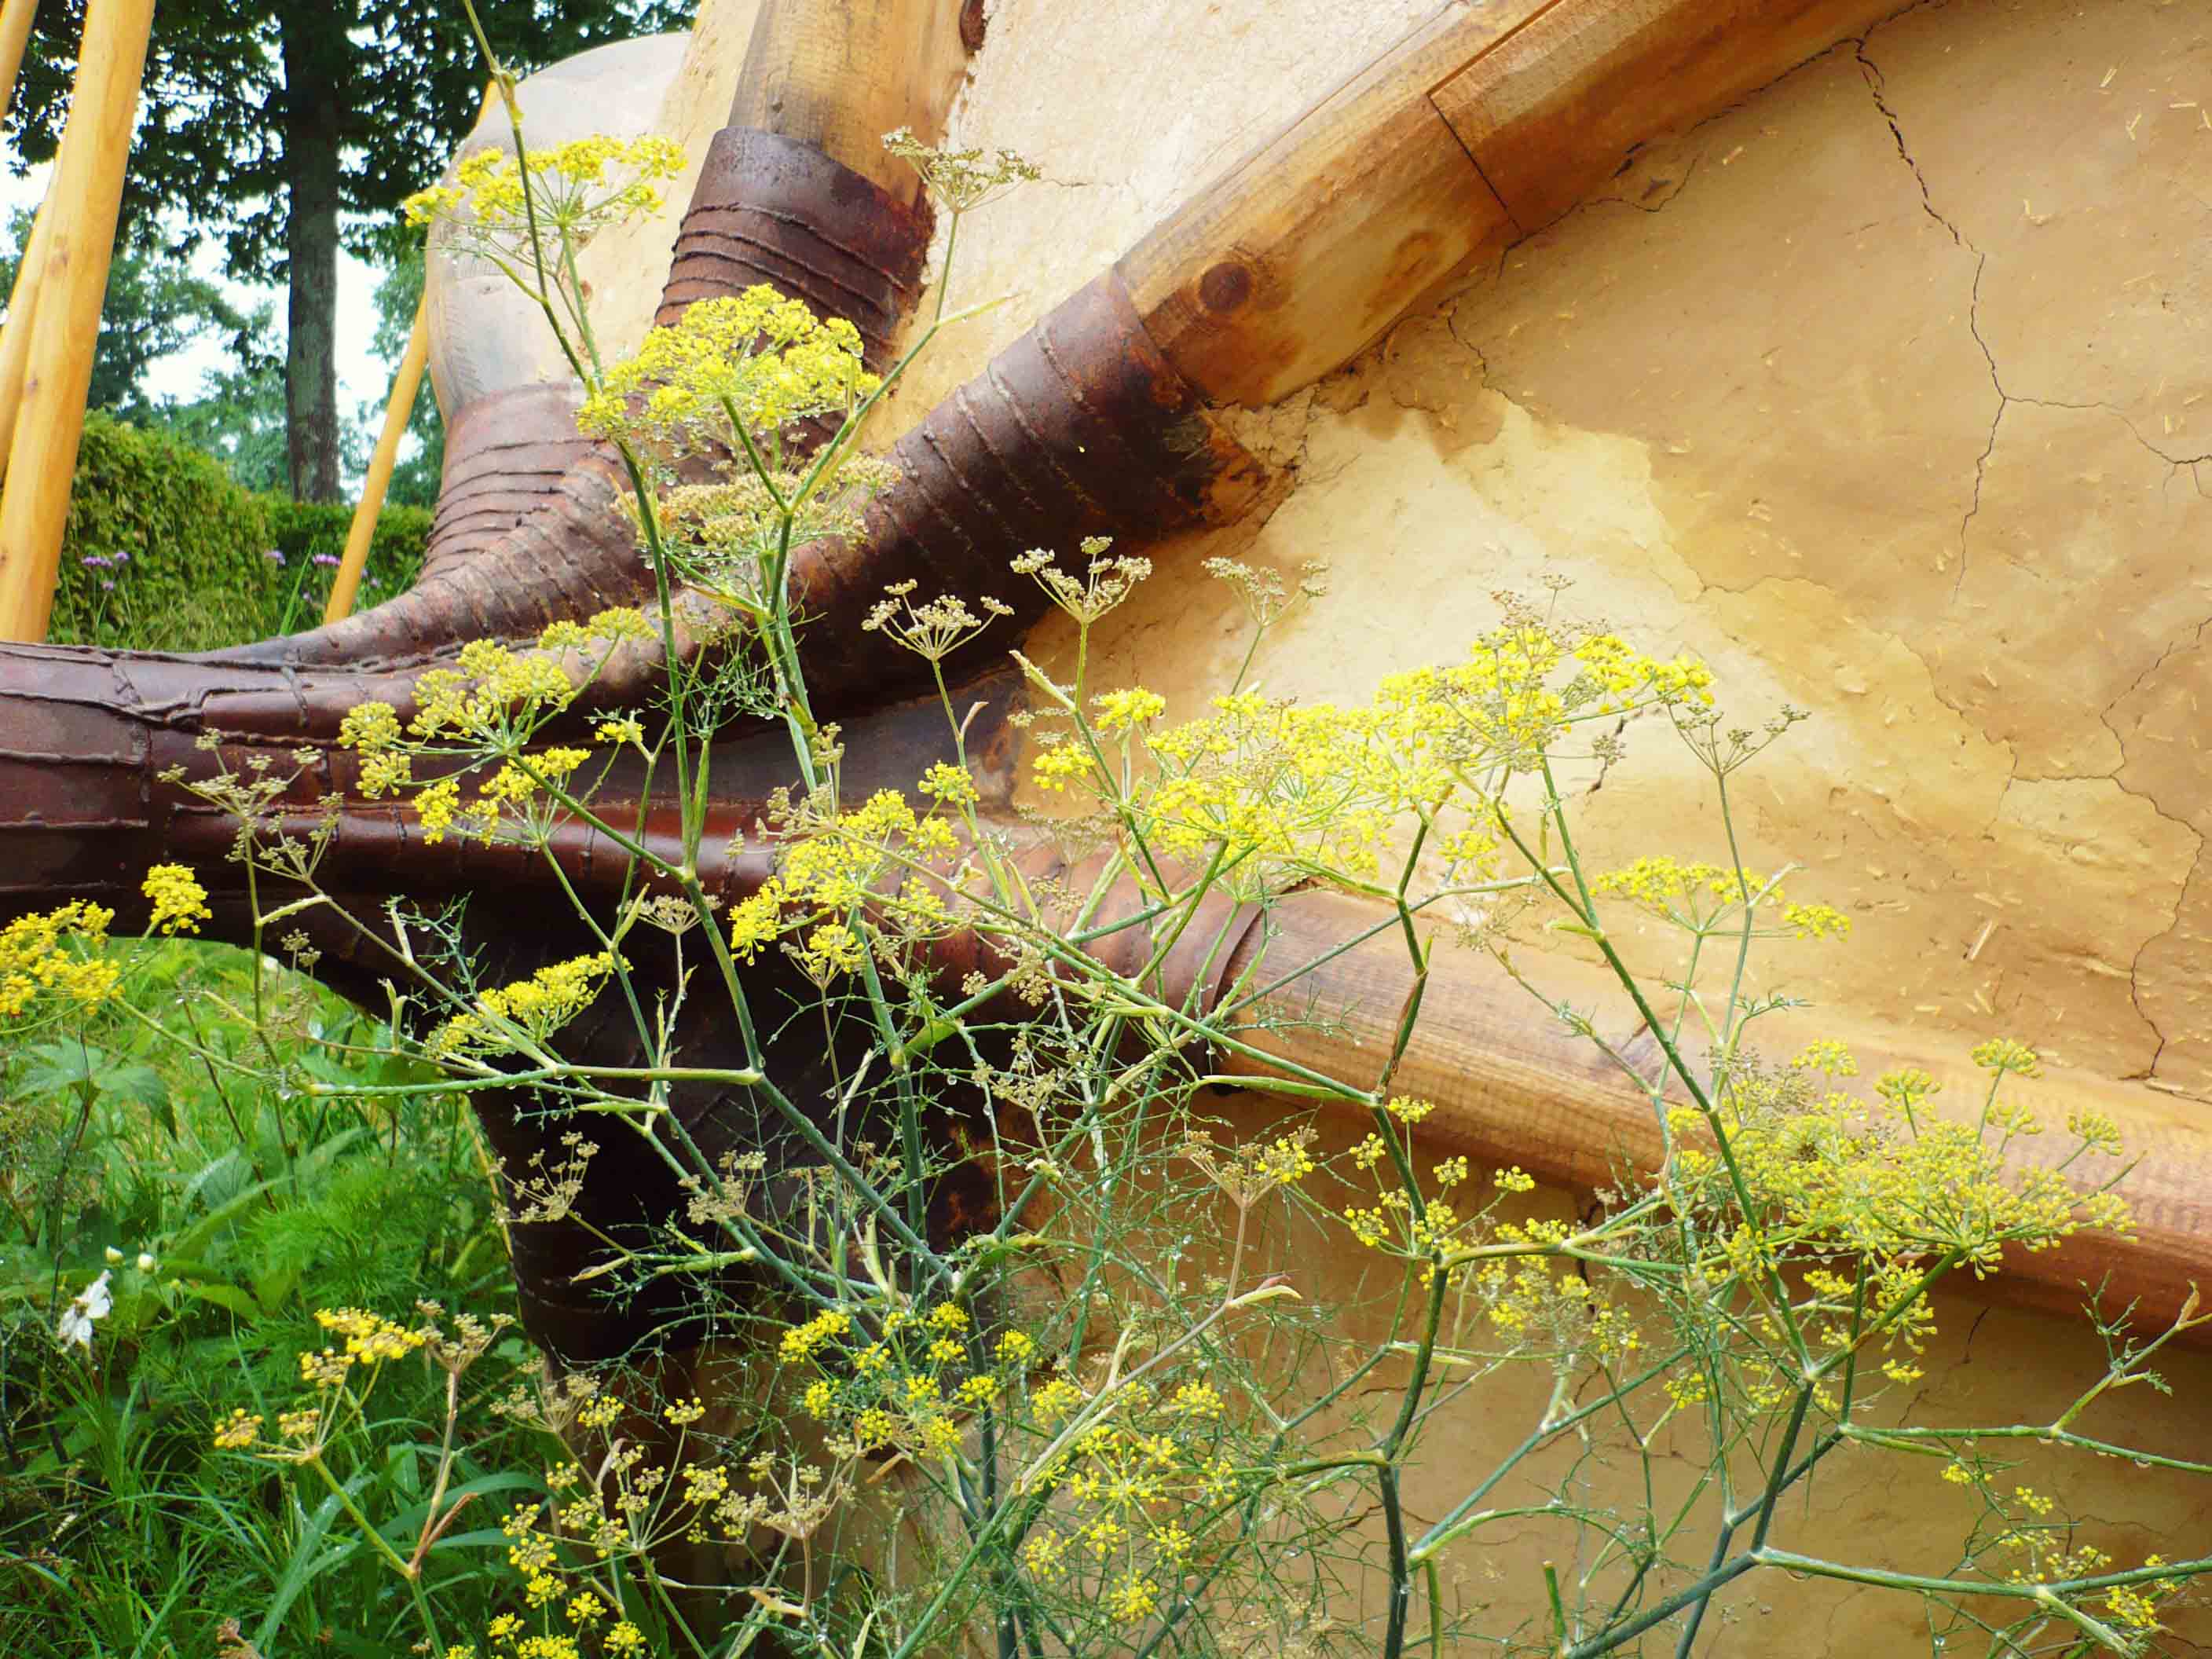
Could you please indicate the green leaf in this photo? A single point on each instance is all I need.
(193, 1242)
(226, 1295)
(305, 1566)
(61, 1067)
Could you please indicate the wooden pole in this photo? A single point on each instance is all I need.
(14, 34)
(86, 193)
(16, 333)
(405, 385)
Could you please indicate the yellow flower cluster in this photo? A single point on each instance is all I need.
(342, 1377)
(953, 785)
(180, 901)
(830, 867)
(1556, 1311)
(2137, 1605)
(238, 1431)
(574, 189)
(1291, 789)
(54, 953)
(1250, 1172)
(491, 688)
(1119, 711)
(756, 359)
(493, 695)
(1702, 897)
(904, 1389)
(1132, 1482)
(540, 1004)
(370, 1339)
(1884, 1181)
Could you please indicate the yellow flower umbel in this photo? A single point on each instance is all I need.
(1704, 898)
(180, 901)
(575, 190)
(55, 954)
(540, 1004)
(756, 361)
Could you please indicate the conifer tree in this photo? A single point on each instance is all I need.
(288, 129)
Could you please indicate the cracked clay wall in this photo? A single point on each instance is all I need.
(1886, 393)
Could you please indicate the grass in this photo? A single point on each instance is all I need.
(123, 1530)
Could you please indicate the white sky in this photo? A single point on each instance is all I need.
(360, 374)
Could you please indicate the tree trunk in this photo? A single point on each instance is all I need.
(314, 118)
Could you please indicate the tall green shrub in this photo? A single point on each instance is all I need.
(163, 551)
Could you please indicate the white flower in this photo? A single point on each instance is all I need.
(90, 1304)
(147, 1263)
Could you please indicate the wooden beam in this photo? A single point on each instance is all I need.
(404, 385)
(16, 333)
(86, 193)
(1484, 124)
(14, 33)
(1551, 110)
(837, 74)
(1310, 246)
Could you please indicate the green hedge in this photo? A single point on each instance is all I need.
(165, 552)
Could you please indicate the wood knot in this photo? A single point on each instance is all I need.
(1224, 286)
(971, 25)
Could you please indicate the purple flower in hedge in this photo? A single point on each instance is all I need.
(95, 561)
(326, 558)
(275, 556)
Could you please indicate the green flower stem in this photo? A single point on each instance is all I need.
(1585, 911)
(1392, 1445)
(375, 1538)
(1559, 1612)
(2048, 1594)
(734, 1077)
(1620, 1635)
(1939, 1441)
(608, 943)
(805, 1126)
(1461, 1518)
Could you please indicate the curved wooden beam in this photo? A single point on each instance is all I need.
(15, 18)
(527, 531)
(836, 77)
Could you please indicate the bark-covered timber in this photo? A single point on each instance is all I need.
(1472, 131)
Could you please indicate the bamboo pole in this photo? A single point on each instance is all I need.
(405, 385)
(16, 333)
(14, 34)
(87, 192)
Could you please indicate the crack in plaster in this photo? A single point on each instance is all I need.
(2173, 925)
(1875, 81)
